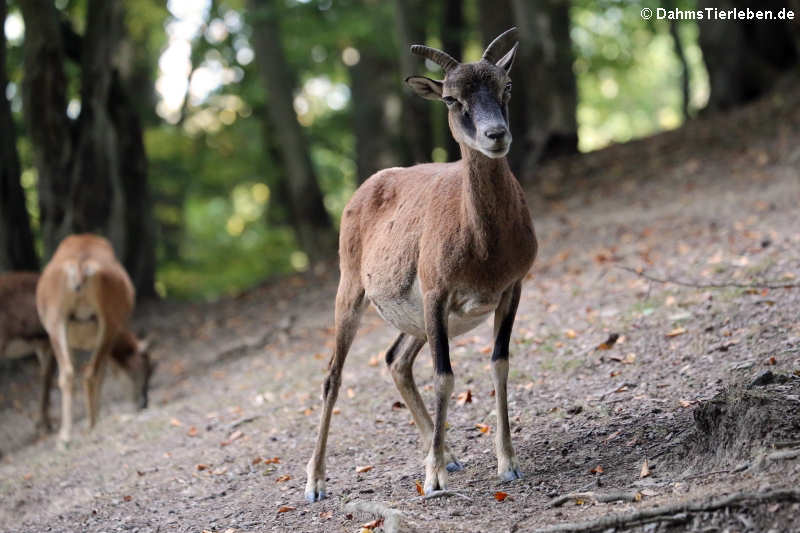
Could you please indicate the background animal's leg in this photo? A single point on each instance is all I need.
(507, 464)
(436, 326)
(47, 368)
(349, 307)
(66, 380)
(93, 377)
(400, 358)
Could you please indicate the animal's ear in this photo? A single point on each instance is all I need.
(507, 61)
(425, 87)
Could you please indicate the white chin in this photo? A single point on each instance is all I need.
(494, 154)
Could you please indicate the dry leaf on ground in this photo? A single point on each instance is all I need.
(483, 428)
(281, 479)
(609, 342)
(501, 496)
(285, 508)
(465, 397)
(675, 332)
(419, 488)
(362, 469)
(645, 470)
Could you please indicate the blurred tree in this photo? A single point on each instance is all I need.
(16, 240)
(745, 58)
(375, 89)
(93, 171)
(549, 89)
(310, 220)
(410, 19)
(452, 37)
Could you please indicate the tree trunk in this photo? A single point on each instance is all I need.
(373, 81)
(410, 19)
(312, 225)
(49, 129)
(745, 58)
(549, 87)
(496, 16)
(92, 173)
(452, 36)
(16, 240)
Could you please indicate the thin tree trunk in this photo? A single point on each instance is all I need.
(496, 16)
(452, 37)
(312, 224)
(410, 19)
(49, 128)
(373, 80)
(550, 89)
(676, 39)
(16, 240)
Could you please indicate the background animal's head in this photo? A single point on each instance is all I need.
(476, 94)
(133, 356)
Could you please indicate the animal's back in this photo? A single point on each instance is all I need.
(85, 286)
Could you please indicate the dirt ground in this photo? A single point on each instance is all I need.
(703, 383)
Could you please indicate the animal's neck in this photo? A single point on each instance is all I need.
(487, 196)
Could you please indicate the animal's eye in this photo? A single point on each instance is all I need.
(449, 100)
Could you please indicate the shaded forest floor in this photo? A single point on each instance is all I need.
(684, 386)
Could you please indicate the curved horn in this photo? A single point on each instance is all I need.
(494, 51)
(437, 56)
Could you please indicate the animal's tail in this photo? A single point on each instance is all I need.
(79, 272)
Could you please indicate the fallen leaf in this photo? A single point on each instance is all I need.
(570, 333)
(257, 460)
(629, 359)
(645, 470)
(308, 410)
(614, 373)
(127, 498)
(771, 361)
(774, 507)
(609, 342)
(326, 515)
(375, 360)
(362, 469)
(272, 461)
(192, 431)
(337, 411)
(378, 522)
(596, 470)
(500, 496)
(285, 508)
(220, 471)
(175, 422)
(685, 403)
(351, 393)
(232, 437)
(612, 436)
(201, 467)
(465, 397)
(675, 332)
(622, 388)
(420, 490)
(281, 479)
(398, 405)
(483, 428)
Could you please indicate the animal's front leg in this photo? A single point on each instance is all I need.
(436, 326)
(507, 464)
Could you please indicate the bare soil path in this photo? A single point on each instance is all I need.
(685, 387)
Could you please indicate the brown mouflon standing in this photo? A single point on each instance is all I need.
(84, 299)
(437, 248)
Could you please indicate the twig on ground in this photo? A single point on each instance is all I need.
(393, 520)
(722, 285)
(705, 474)
(599, 497)
(672, 512)
(441, 494)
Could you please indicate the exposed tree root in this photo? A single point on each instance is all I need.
(672, 512)
(599, 497)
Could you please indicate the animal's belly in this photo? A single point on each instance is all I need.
(406, 313)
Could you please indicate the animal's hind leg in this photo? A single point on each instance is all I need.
(349, 307)
(400, 358)
(47, 368)
(507, 464)
(93, 378)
